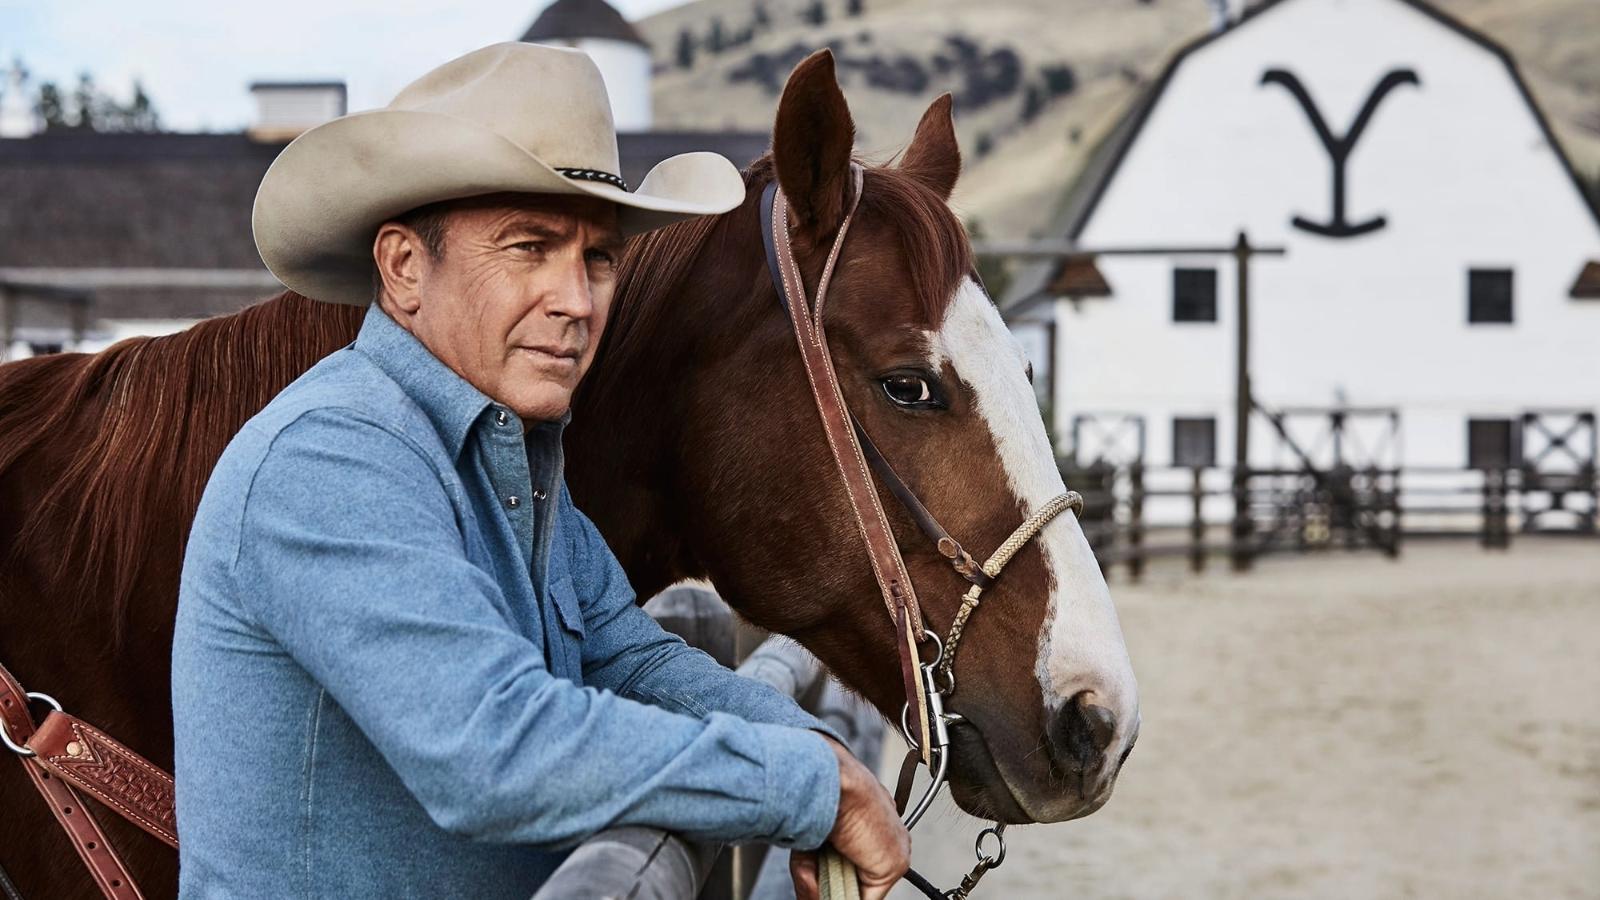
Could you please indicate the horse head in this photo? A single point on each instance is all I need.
(755, 503)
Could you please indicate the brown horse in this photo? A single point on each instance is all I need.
(694, 446)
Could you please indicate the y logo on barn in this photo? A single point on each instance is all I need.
(1339, 148)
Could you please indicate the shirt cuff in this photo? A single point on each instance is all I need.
(802, 796)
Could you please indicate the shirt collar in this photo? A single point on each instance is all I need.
(450, 402)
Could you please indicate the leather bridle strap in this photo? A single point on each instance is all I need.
(841, 431)
(65, 755)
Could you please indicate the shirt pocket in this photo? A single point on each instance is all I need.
(570, 631)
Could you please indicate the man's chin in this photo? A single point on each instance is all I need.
(544, 406)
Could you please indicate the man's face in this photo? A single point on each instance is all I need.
(518, 299)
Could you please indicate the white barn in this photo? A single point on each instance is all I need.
(1447, 272)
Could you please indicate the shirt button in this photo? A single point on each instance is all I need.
(539, 494)
(513, 501)
(500, 417)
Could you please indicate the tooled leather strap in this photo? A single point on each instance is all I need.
(118, 777)
(88, 838)
(807, 318)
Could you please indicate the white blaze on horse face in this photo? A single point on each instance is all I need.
(1080, 647)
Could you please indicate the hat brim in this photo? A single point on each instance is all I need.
(320, 204)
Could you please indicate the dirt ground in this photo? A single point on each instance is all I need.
(1342, 726)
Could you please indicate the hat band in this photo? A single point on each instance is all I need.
(594, 175)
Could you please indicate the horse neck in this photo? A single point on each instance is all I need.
(683, 304)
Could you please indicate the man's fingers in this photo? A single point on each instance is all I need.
(803, 869)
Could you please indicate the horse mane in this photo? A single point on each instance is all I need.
(934, 243)
(166, 408)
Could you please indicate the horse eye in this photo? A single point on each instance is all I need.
(911, 391)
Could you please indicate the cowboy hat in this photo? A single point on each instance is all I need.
(509, 117)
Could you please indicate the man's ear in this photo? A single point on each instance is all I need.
(397, 257)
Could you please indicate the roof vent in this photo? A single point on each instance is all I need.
(287, 109)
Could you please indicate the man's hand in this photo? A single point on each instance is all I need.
(866, 831)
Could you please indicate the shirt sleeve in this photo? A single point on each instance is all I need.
(627, 651)
(350, 555)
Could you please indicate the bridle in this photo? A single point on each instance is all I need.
(924, 720)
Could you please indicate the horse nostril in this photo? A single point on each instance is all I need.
(1084, 731)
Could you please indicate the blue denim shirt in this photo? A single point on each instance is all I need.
(392, 679)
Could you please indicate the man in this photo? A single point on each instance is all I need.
(404, 663)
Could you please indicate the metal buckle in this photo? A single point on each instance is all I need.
(6, 738)
(939, 723)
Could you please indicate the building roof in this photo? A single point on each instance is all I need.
(566, 20)
(183, 201)
(1090, 186)
(1087, 191)
(1587, 287)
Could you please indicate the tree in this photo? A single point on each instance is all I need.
(761, 21)
(141, 114)
(718, 41)
(51, 108)
(685, 49)
(992, 270)
(86, 104)
(1059, 79)
(1032, 103)
(91, 109)
(853, 8)
(816, 14)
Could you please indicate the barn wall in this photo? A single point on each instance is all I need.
(1458, 165)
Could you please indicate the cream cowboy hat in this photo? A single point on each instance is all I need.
(508, 117)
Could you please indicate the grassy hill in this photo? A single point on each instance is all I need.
(1037, 82)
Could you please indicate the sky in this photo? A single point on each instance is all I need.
(197, 58)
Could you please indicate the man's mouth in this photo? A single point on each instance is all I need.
(562, 356)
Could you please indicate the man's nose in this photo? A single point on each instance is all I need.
(573, 295)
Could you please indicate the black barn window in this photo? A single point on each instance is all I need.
(1194, 295)
(1492, 444)
(1489, 295)
(1194, 441)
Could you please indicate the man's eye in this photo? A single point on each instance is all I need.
(528, 246)
(601, 256)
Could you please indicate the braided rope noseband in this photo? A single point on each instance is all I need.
(1025, 532)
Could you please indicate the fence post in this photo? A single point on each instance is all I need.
(1197, 525)
(1496, 527)
(1243, 525)
(1136, 521)
(1395, 524)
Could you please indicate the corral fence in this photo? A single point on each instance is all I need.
(651, 864)
(1136, 514)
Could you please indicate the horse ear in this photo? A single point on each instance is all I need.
(934, 157)
(811, 143)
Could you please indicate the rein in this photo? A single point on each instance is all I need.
(923, 720)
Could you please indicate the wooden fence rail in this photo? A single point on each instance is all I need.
(652, 864)
(1137, 514)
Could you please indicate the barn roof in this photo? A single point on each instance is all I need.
(1090, 186)
(182, 201)
(1587, 287)
(566, 20)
